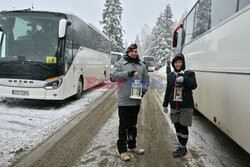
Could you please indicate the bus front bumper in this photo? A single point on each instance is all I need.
(151, 69)
(30, 93)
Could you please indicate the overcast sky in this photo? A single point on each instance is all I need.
(136, 13)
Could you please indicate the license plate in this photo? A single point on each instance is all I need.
(20, 92)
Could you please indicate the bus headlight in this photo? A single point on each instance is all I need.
(54, 84)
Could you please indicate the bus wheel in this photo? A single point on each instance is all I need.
(79, 89)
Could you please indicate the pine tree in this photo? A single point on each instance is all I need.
(183, 16)
(138, 42)
(126, 44)
(161, 47)
(111, 19)
(146, 40)
(202, 18)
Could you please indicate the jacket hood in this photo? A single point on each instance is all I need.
(179, 56)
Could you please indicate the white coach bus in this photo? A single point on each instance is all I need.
(215, 40)
(50, 55)
(115, 57)
(149, 61)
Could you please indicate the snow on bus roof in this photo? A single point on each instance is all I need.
(118, 53)
(33, 10)
(94, 27)
(148, 57)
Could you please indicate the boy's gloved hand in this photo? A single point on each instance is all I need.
(180, 79)
(165, 109)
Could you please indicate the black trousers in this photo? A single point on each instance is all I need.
(127, 127)
(182, 133)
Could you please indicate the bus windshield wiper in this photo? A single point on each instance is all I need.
(27, 62)
(41, 64)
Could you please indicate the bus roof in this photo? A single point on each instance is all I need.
(59, 12)
(117, 53)
(94, 27)
(32, 10)
(148, 57)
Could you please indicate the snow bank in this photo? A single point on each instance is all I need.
(162, 69)
(26, 123)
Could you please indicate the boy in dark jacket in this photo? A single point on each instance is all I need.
(181, 111)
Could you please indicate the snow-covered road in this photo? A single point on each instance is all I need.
(26, 123)
(103, 150)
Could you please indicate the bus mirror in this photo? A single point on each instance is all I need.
(62, 28)
(175, 36)
(175, 39)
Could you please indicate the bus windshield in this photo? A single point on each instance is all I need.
(33, 36)
(149, 59)
(28, 37)
(150, 63)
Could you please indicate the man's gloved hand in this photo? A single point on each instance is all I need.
(143, 93)
(165, 109)
(180, 79)
(131, 73)
(111, 79)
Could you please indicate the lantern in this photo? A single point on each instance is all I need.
(177, 94)
(136, 90)
(178, 89)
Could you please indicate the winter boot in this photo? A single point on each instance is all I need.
(137, 150)
(180, 152)
(125, 156)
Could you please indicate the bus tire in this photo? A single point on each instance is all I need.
(79, 89)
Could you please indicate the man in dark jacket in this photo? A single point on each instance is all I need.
(181, 111)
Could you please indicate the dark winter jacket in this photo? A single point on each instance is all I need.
(189, 84)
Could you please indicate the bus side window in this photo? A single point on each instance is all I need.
(243, 3)
(207, 14)
(221, 10)
(202, 18)
(75, 48)
(189, 27)
(68, 54)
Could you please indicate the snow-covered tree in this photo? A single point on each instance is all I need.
(146, 40)
(126, 44)
(111, 19)
(183, 17)
(175, 24)
(138, 42)
(202, 18)
(161, 47)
